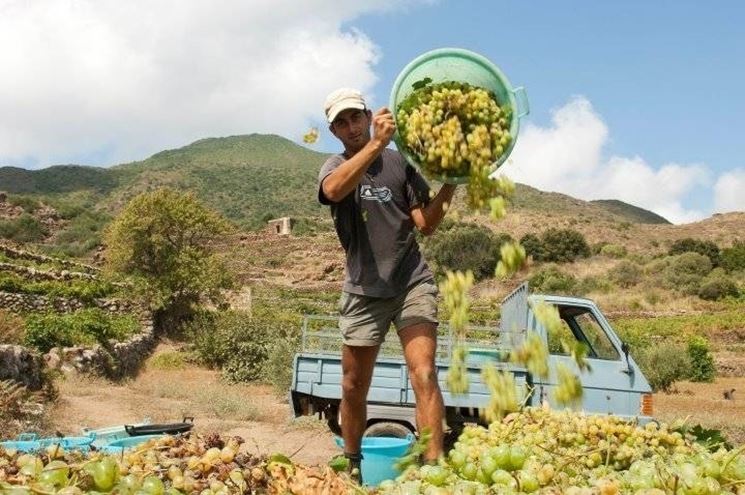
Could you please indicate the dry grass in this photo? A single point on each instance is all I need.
(704, 403)
(11, 327)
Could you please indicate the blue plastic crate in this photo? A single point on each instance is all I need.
(122, 444)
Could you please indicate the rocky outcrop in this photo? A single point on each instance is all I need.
(22, 365)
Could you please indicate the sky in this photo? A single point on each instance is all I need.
(636, 100)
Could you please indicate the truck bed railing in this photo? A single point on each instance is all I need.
(321, 335)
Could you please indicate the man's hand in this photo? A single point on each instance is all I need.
(383, 126)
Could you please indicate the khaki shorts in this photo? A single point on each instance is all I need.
(365, 320)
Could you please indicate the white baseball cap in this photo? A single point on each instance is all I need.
(342, 99)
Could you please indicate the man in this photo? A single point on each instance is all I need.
(376, 200)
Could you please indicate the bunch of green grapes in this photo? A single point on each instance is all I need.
(455, 293)
(548, 316)
(455, 130)
(512, 258)
(499, 190)
(503, 393)
(550, 452)
(457, 378)
(168, 465)
(569, 388)
(533, 354)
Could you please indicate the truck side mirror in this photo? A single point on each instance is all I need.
(625, 349)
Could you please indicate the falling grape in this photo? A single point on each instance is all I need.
(311, 136)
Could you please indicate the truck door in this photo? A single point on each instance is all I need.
(608, 385)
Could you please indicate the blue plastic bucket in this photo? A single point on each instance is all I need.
(118, 446)
(379, 455)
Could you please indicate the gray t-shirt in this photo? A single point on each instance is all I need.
(375, 227)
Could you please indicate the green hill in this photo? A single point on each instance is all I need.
(249, 179)
(57, 179)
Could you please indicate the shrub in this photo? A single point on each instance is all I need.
(714, 289)
(28, 204)
(83, 290)
(552, 280)
(686, 271)
(702, 362)
(83, 327)
(533, 246)
(25, 228)
(613, 251)
(232, 341)
(663, 364)
(625, 274)
(17, 407)
(593, 284)
(564, 245)
(277, 369)
(465, 247)
(689, 245)
(168, 360)
(733, 258)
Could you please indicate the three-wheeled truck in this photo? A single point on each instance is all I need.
(614, 384)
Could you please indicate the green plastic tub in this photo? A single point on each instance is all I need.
(457, 64)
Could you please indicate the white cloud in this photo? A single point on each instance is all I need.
(568, 157)
(125, 79)
(729, 191)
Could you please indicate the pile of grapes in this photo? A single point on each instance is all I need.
(456, 130)
(552, 452)
(169, 465)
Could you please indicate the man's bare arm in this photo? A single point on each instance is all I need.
(427, 218)
(345, 178)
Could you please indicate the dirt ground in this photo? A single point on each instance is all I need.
(705, 404)
(256, 413)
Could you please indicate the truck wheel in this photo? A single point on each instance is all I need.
(387, 429)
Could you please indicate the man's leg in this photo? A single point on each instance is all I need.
(357, 364)
(419, 342)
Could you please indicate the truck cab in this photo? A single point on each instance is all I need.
(614, 384)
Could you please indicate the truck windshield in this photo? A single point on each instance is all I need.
(580, 324)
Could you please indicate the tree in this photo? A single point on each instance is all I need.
(689, 245)
(163, 239)
(466, 247)
(564, 245)
(733, 258)
(533, 246)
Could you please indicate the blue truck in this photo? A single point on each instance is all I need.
(614, 385)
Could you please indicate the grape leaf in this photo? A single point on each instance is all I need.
(421, 83)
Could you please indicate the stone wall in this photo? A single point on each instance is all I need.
(35, 275)
(121, 359)
(16, 253)
(22, 303)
